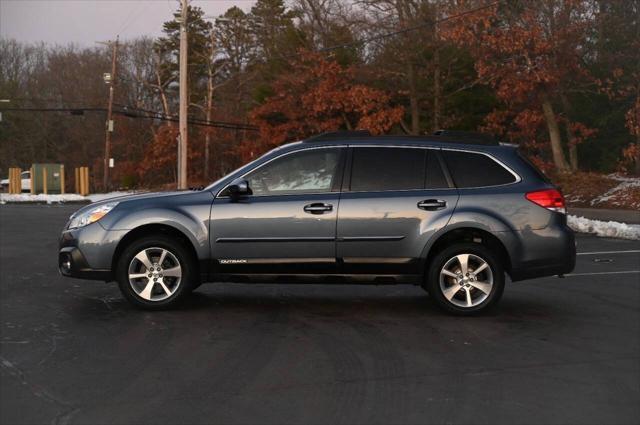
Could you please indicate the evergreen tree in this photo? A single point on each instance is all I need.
(199, 45)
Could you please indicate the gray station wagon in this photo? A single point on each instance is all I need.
(451, 212)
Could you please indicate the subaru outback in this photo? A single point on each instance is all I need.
(452, 213)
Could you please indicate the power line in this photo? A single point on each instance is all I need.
(83, 109)
(132, 18)
(132, 111)
(142, 114)
(45, 99)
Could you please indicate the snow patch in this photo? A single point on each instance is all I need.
(95, 197)
(51, 199)
(618, 195)
(609, 229)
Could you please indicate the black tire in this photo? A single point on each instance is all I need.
(433, 287)
(188, 268)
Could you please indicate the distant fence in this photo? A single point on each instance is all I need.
(82, 180)
(15, 180)
(49, 178)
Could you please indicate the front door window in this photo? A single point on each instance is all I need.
(311, 171)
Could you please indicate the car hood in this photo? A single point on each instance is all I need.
(143, 195)
(134, 197)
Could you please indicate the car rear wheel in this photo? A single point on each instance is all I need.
(156, 272)
(465, 279)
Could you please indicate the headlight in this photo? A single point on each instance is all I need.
(91, 215)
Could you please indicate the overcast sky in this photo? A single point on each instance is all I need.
(86, 21)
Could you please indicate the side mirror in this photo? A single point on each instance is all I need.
(239, 188)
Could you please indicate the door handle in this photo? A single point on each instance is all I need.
(432, 204)
(318, 208)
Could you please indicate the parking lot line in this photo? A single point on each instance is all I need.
(597, 273)
(631, 251)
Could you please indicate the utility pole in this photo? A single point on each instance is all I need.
(184, 98)
(111, 80)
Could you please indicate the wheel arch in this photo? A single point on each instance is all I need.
(469, 234)
(154, 229)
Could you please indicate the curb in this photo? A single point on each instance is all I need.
(621, 216)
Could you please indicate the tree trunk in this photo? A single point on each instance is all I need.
(635, 108)
(554, 135)
(210, 91)
(573, 152)
(571, 137)
(436, 89)
(207, 138)
(346, 121)
(404, 14)
(413, 99)
(404, 126)
(163, 95)
(637, 167)
(207, 142)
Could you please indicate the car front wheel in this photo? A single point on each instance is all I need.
(465, 279)
(156, 272)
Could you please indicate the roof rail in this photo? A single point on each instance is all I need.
(331, 135)
(466, 137)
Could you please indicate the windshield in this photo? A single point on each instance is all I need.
(245, 167)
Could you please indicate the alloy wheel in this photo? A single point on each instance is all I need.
(466, 280)
(154, 274)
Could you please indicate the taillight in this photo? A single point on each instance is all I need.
(550, 199)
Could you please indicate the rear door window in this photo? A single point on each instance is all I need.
(386, 168)
(476, 170)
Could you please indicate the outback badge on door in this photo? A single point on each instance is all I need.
(233, 261)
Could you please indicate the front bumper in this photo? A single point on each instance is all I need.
(72, 263)
(88, 252)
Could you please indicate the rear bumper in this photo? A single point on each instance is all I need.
(547, 252)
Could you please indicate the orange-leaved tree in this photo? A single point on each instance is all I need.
(318, 95)
(531, 53)
(159, 160)
(632, 152)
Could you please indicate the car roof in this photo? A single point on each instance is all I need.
(417, 141)
(440, 139)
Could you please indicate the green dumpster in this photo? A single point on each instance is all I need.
(49, 174)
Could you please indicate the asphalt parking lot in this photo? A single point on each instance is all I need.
(554, 351)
